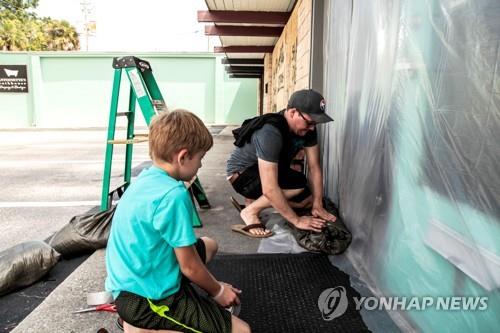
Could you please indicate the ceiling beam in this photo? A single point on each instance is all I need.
(249, 74)
(242, 61)
(245, 76)
(238, 73)
(244, 69)
(241, 30)
(244, 49)
(231, 16)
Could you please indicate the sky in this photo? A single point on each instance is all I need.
(131, 25)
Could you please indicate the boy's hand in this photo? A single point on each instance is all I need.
(228, 295)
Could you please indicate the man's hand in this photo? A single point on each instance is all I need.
(228, 296)
(310, 223)
(320, 212)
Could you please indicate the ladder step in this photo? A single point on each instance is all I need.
(122, 114)
(139, 139)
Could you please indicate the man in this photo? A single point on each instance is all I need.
(259, 168)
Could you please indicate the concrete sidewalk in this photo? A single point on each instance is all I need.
(54, 314)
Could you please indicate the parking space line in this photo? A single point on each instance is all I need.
(50, 162)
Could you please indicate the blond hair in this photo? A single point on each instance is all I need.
(179, 129)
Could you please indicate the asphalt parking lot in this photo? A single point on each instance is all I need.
(49, 176)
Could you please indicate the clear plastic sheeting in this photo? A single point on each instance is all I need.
(282, 240)
(413, 156)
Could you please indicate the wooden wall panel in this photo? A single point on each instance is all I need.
(268, 81)
(287, 69)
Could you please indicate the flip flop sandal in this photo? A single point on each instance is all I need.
(237, 205)
(244, 230)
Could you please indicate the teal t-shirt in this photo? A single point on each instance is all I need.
(152, 218)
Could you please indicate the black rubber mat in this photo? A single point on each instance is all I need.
(281, 291)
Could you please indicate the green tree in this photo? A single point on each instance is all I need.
(22, 30)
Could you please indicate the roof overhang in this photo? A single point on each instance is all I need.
(247, 31)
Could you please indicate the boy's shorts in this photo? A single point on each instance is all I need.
(184, 311)
(248, 183)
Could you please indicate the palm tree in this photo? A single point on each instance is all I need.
(22, 30)
(61, 35)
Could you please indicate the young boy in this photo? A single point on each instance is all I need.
(153, 254)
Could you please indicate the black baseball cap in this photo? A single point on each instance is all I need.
(310, 102)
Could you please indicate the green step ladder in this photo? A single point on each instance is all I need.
(143, 90)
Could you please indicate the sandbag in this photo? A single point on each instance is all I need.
(84, 233)
(333, 239)
(24, 264)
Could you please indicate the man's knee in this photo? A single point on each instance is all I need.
(211, 247)
(292, 193)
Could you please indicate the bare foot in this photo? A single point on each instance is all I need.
(249, 218)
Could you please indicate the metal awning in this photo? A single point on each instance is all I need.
(247, 31)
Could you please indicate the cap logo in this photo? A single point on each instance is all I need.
(322, 105)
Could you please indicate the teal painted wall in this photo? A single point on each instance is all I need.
(74, 89)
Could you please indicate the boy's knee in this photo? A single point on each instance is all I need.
(239, 326)
(211, 246)
(210, 243)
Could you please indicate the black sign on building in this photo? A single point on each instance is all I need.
(13, 78)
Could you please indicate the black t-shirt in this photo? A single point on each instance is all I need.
(266, 143)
